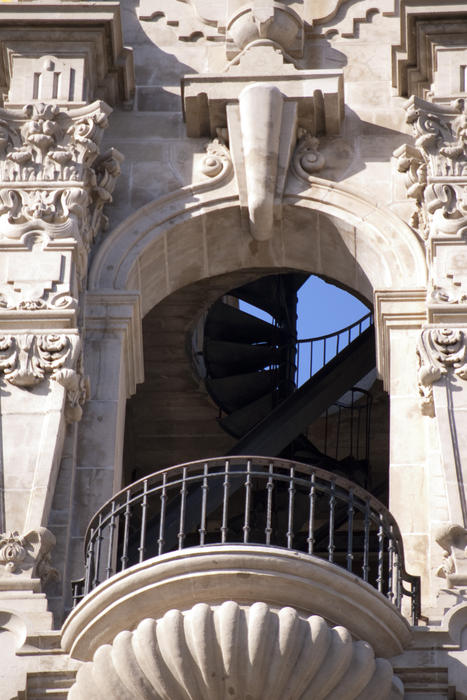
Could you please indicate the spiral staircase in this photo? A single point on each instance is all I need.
(252, 375)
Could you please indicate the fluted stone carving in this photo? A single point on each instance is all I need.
(229, 651)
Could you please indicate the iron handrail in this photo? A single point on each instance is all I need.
(256, 500)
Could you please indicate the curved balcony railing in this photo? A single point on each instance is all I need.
(251, 500)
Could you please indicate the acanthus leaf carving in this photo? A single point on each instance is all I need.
(27, 359)
(52, 176)
(434, 165)
(439, 351)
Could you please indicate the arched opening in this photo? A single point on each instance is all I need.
(215, 370)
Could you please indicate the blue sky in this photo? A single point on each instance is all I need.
(322, 308)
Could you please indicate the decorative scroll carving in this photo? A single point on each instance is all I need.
(307, 159)
(439, 350)
(217, 162)
(244, 652)
(434, 166)
(27, 554)
(52, 177)
(453, 539)
(27, 359)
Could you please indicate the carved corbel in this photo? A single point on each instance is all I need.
(27, 359)
(439, 351)
(453, 540)
(27, 555)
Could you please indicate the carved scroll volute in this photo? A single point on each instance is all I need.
(440, 350)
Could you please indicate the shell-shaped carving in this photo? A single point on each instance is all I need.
(236, 653)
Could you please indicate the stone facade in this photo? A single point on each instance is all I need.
(153, 157)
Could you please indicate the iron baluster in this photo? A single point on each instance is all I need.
(89, 563)
(269, 488)
(311, 515)
(246, 521)
(332, 506)
(349, 556)
(110, 551)
(390, 589)
(126, 531)
(163, 497)
(225, 503)
(366, 543)
(144, 507)
(204, 500)
(183, 494)
(379, 578)
(290, 534)
(97, 555)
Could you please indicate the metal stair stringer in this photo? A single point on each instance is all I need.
(293, 415)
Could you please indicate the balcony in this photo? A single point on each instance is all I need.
(243, 529)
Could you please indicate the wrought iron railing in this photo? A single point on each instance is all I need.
(312, 354)
(250, 500)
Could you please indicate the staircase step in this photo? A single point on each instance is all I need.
(267, 293)
(232, 393)
(224, 358)
(226, 322)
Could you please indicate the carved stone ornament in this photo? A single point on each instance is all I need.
(439, 350)
(453, 539)
(52, 177)
(228, 651)
(27, 359)
(27, 554)
(436, 167)
(307, 160)
(217, 163)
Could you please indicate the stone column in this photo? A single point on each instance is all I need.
(54, 183)
(114, 360)
(435, 168)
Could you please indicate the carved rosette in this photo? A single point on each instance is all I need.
(27, 555)
(27, 359)
(229, 651)
(439, 351)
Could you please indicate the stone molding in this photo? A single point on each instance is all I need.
(453, 540)
(114, 311)
(47, 39)
(426, 28)
(250, 651)
(395, 310)
(209, 575)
